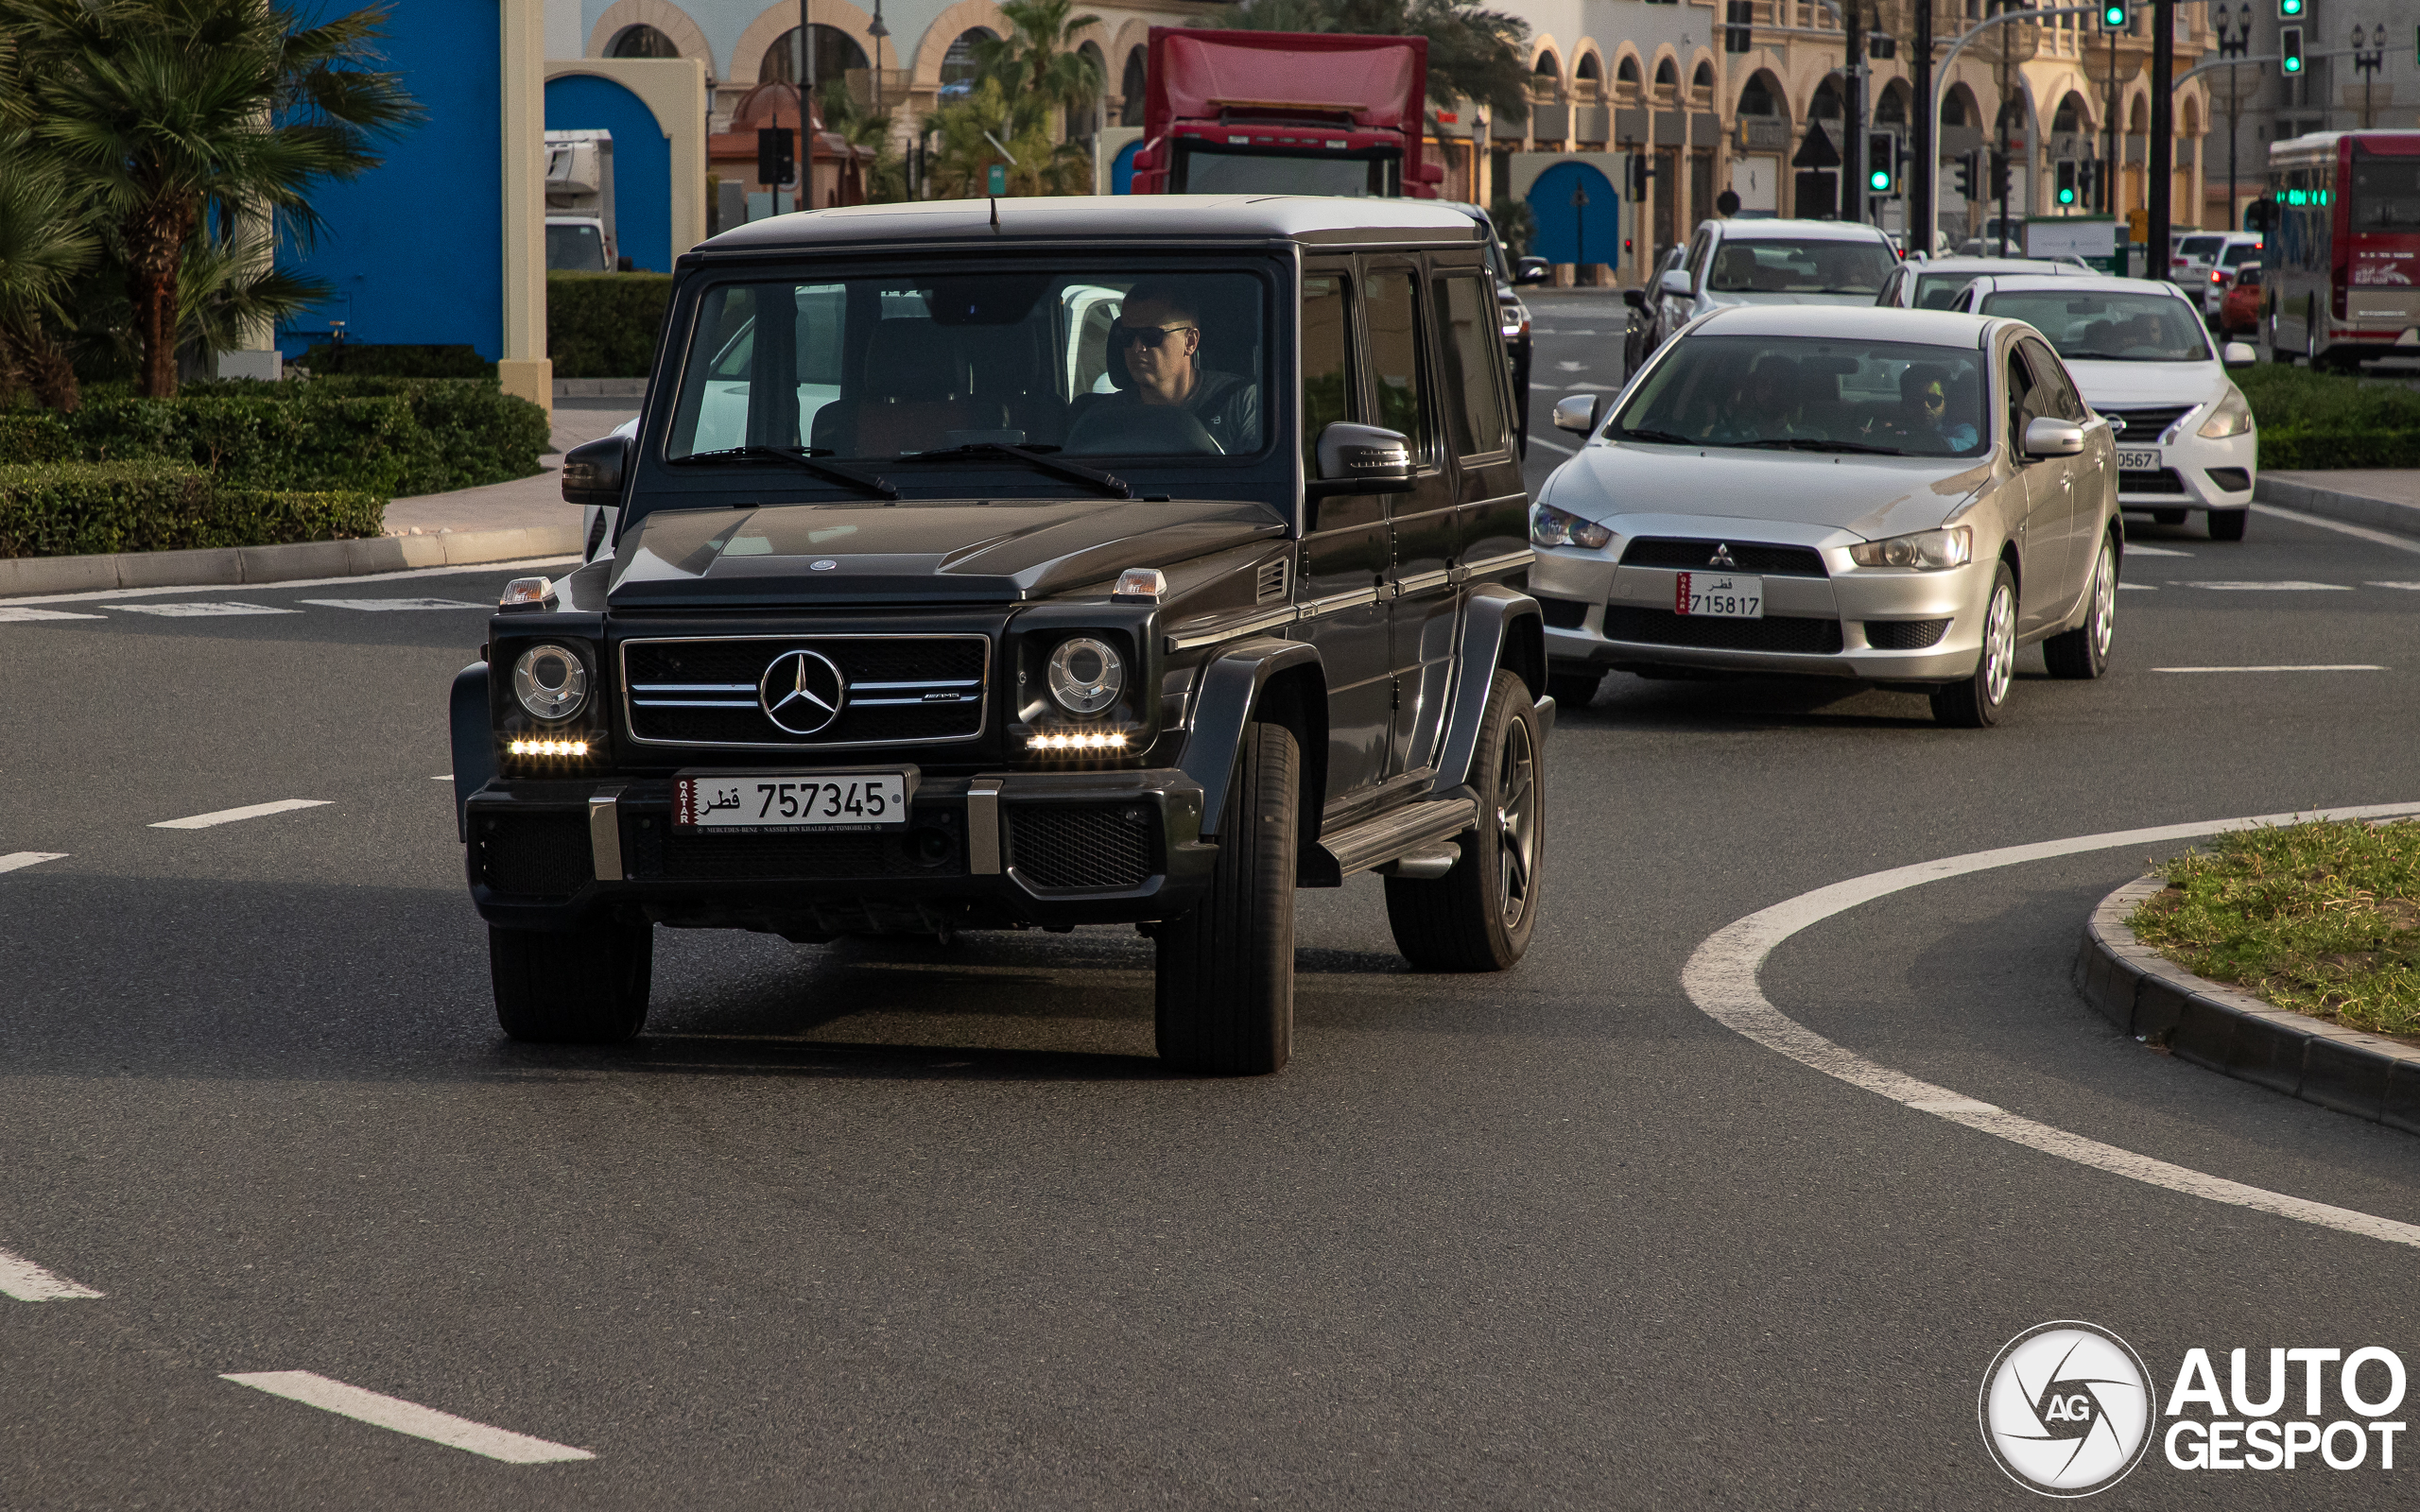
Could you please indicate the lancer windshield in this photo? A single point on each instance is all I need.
(2112, 327)
(1106, 362)
(1761, 264)
(1802, 394)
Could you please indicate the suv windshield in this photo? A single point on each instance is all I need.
(2108, 327)
(1108, 362)
(1792, 393)
(1757, 264)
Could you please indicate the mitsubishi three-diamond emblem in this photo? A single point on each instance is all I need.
(1721, 557)
(802, 692)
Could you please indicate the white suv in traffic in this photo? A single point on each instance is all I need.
(1770, 262)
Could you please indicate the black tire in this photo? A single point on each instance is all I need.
(2170, 517)
(584, 986)
(2227, 524)
(1574, 690)
(1975, 703)
(1225, 988)
(1479, 916)
(2082, 653)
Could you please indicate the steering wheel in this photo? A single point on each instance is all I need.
(1133, 429)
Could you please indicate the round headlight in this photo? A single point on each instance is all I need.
(1085, 674)
(551, 681)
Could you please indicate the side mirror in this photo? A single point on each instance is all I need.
(1579, 413)
(2239, 354)
(1361, 459)
(593, 472)
(2049, 435)
(1675, 283)
(1635, 299)
(1533, 270)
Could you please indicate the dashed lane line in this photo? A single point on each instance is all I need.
(1554, 446)
(18, 860)
(25, 1280)
(197, 610)
(1721, 978)
(398, 1415)
(2134, 549)
(2413, 587)
(2380, 538)
(375, 605)
(2225, 585)
(2320, 666)
(10, 616)
(405, 574)
(250, 811)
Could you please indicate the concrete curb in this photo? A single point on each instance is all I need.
(2353, 508)
(2157, 1001)
(25, 576)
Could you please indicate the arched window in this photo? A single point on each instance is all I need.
(1626, 72)
(1758, 98)
(1704, 77)
(1826, 104)
(2069, 118)
(641, 42)
(835, 53)
(957, 65)
(1958, 109)
(1132, 88)
(1666, 75)
(1891, 109)
(1083, 120)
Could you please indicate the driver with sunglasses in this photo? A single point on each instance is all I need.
(1156, 346)
(1923, 412)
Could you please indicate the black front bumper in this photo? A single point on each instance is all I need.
(986, 852)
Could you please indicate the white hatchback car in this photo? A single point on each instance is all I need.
(1935, 283)
(2137, 350)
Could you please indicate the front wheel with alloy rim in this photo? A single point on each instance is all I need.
(2083, 652)
(1478, 917)
(1225, 979)
(1977, 701)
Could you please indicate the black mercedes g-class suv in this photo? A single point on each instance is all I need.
(1039, 562)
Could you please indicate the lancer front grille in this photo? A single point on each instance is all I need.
(1774, 633)
(1746, 557)
(892, 690)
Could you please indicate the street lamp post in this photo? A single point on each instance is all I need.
(2369, 58)
(2232, 45)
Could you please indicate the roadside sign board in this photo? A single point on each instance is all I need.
(999, 177)
(2092, 238)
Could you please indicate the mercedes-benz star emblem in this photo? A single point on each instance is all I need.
(1721, 557)
(802, 692)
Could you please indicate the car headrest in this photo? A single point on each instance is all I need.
(913, 361)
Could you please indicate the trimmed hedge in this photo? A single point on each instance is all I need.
(398, 360)
(35, 436)
(2320, 420)
(2316, 450)
(82, 508)
(604, 325)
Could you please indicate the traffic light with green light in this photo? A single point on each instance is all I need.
(2114, 15)
(2289, 47)
(2290, 9)
(1882, 162)
(2066, 183)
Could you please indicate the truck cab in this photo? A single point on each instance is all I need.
(1285, 112)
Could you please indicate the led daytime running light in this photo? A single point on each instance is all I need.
(548, 747)
(1059, 739)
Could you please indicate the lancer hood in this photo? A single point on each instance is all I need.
(945, 551)
(1871, 496)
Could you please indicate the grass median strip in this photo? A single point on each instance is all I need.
(2321, 917)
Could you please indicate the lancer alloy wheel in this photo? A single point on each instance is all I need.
(2083, 652)
(1977, 701)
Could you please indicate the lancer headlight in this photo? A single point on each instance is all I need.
(1550, 526)
(1926, 550)
(551, 681)
(1085, 674)
(2231, 416)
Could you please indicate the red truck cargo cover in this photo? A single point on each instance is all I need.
(1196, 73)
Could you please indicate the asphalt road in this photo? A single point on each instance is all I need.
(899, 1224)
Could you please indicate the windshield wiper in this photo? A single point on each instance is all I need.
(1664, 438)
(1108, 484)
(1808, 443)
(800, 456)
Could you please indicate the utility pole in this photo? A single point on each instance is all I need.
(1852, 111)
(2163, 145)
(2369, 61)
(2233, 45)
(2117, 160)
(1923, 220)
(806, 197)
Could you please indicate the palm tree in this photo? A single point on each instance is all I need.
(44, 243)
(1038, 62)
(184, 116)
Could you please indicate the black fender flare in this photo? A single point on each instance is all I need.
(1502, 627)
(473, 740)
(1236, 681)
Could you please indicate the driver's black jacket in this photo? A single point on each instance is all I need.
(1227, 406)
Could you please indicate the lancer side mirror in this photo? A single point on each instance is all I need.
(2239, 354)
(1635, 299)
(1577, 413)
(1533, 270)
(1361, 459)
(1675, 283)
(2049, 435)
(593, 472)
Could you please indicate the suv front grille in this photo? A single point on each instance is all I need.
(1661, 626)
(1103, 848)
(2147, 423)
(1747, 556)
(901, 689)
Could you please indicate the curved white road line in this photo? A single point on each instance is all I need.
(1721, 978)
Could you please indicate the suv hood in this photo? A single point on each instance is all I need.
(1872, 496)
(940, 551)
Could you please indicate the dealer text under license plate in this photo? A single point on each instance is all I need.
(1721, 596)
(763, 804)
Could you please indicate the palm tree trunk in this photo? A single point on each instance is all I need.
(155, 239)
(31, 355)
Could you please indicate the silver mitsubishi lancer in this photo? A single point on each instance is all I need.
(1900, 497)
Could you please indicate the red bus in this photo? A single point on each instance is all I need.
(2341, 262)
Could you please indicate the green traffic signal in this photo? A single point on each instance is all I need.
(2113, 14)
(2290, 9)
(1878, 180)
(2289, 46)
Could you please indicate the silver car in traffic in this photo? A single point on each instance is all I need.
(1901, 497)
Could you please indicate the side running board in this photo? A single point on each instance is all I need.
(1399, 832)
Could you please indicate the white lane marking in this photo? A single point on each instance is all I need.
(25, 1280)
(2250, 586)
(19, 616)
(18, 860)
(2321, 666)
(458, 570)
(197, 610)
(1602, 389)
(1572, 367)
(2134, 550)
(443, 777)
(250, 811)
(2379, 537)
(1721, 978)
(407, 1417)
(2138, 587)
(1554, 446)
(374, 605)
(2413, 586)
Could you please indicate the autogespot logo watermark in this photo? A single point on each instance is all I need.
(2066, 1409)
